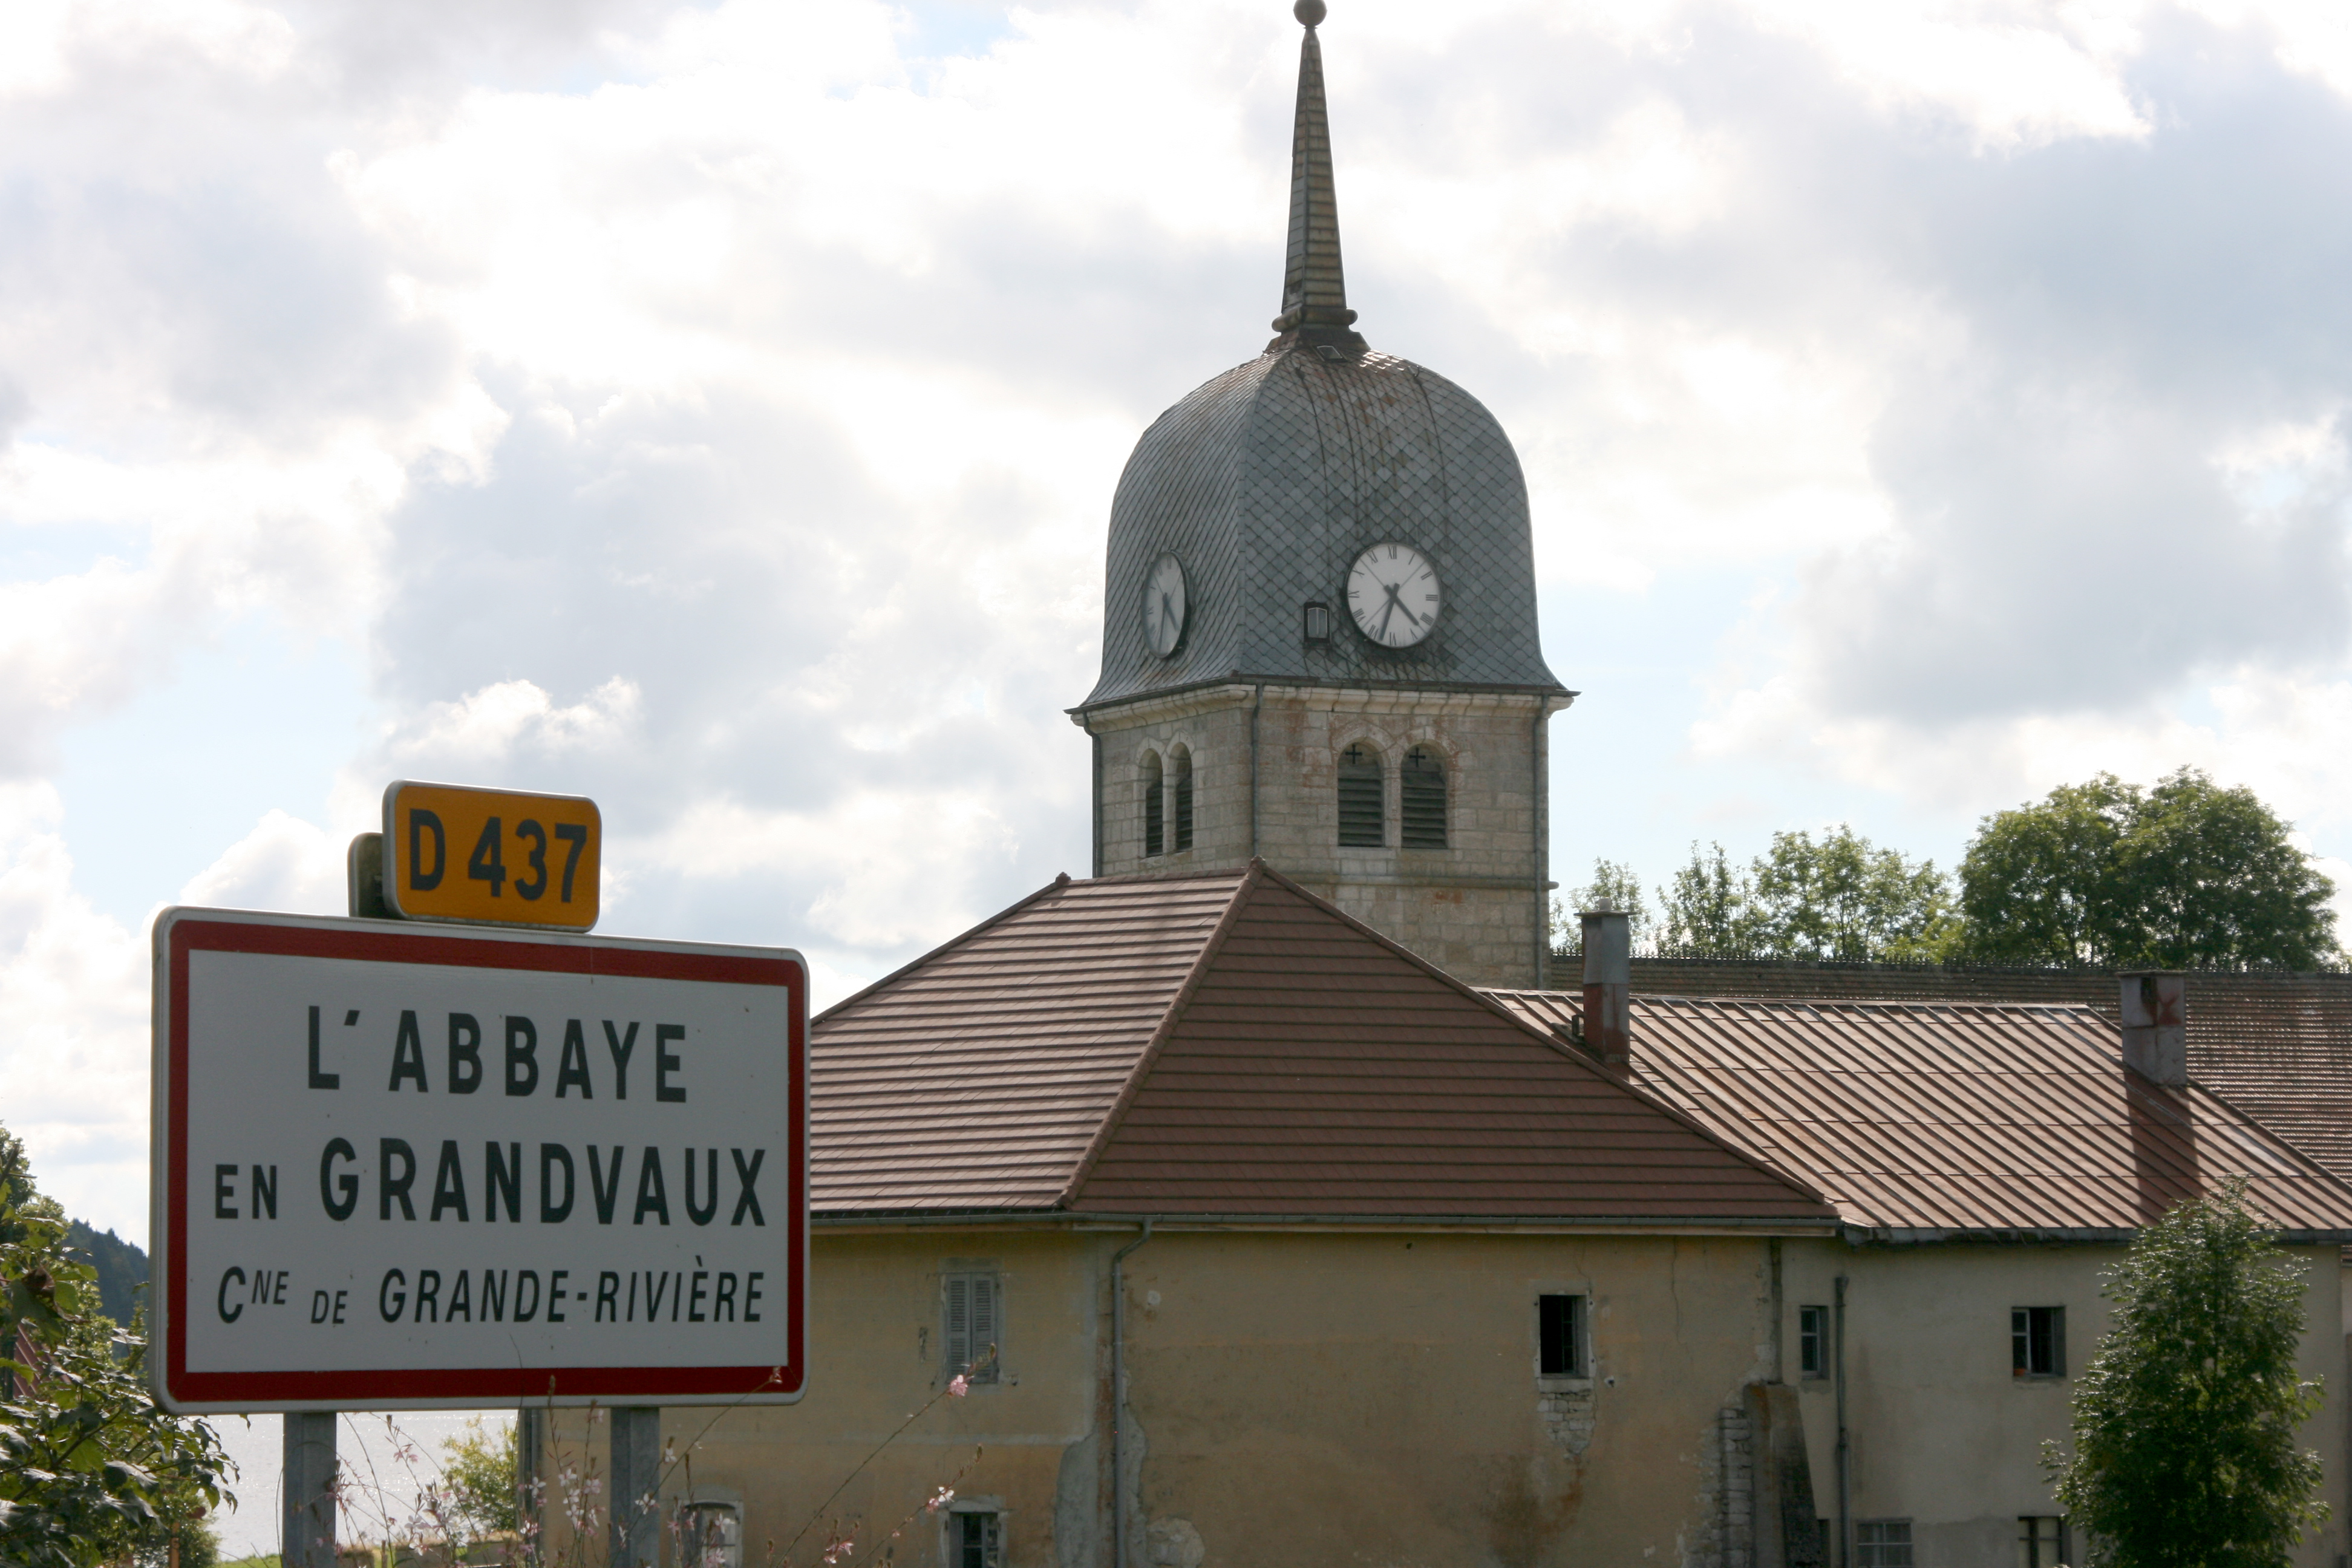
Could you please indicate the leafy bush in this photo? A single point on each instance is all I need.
(2185, 1425)
(91, 1470)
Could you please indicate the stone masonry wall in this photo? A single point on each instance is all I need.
(1474, 908)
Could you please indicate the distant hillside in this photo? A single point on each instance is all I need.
(122, 1269)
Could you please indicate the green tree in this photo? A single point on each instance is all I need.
(2185, 1425)
(90, 1470)
(1613, 883)
(1844, 900)
(477, 1476)
(1708, 912)
(2181, 874)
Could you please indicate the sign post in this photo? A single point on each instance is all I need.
(402, 1165)
(306, 1498)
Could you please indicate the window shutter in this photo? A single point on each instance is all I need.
(1423, 794)
(1183, 803)
(2017, 1335)
(1363, 816)
(983, 1324)
(959, 1335)
(1154, 794)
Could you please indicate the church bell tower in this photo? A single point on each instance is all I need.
(1319, 638)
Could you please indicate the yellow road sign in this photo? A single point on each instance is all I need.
(496, 856)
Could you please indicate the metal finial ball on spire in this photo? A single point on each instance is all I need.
(1308, 12)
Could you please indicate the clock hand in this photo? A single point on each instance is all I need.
(1167, 610)
(1396, 604)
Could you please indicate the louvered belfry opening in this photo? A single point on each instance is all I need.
(1155, 806)
(1423, 806)
(1363, 824)
(1179, 762)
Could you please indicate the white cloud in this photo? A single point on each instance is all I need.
(284, 864)
(715, 409)
(73, 1046)
(2017, 75)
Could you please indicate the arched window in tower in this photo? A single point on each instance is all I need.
(1421, 804)
(1180, 767)
(1155, 804)
(1362, 814)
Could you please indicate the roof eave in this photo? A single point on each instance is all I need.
(2047, 1236)
(1178, 1220)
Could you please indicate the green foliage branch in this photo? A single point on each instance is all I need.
(1837, 897)
(2185, 1452)
(2182, 874)
(92, 1471)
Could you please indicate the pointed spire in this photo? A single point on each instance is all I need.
(1314, 293)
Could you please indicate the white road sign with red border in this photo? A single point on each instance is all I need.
(404, 1167)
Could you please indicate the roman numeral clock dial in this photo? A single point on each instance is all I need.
(1392, 592)
(1164, 605)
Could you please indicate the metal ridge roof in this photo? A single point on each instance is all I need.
(1228, 1044)
(1925, 1119)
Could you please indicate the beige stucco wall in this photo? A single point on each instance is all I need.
(1347, 1397)
(1473, 907)
(1941, 1432)
(875, 1358)
(1351, 1399)
(1293, 1398)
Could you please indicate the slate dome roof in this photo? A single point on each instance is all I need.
(1267, 482)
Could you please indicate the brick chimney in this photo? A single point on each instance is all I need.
(2155, 1026)
(1608, 985)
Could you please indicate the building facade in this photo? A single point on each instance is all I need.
(1261, 1240)
(1319, 635)
(1989, 1161)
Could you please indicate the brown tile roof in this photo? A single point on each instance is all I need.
(2280, 1048)
(2277, 1046)
(1938, 1116)
(977, 1077)
(1231, 1045)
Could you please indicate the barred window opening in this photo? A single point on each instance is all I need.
(1155, 794)
(1882, 1544)
(1181, 760)
(1814, 1341)
(1362, 814)
(1560, 1336)
(712, 1534)
(2037, 1342)
(979, 1539)
(1423, 800)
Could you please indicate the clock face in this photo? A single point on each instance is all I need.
(1392, 592)
(1164, 605)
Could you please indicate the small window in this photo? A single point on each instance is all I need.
(1422, 812)
(1814, 1341)
(1560, 1336)
(2037, 1342)
(973, 1305)
(1180, 762)
(1882, 1544)
(711, 1535)
(1362, 817)
(1155, 802)
(2041, 1542)
(979, 1539)
(1319, 622)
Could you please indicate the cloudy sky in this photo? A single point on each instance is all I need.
(715, 409)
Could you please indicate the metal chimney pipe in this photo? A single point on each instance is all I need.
(2155, 1026)
(1608, 985)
